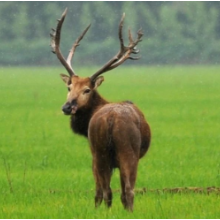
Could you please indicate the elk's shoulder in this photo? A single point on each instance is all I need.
(124, 111)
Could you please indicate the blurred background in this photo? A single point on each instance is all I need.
(174, 32)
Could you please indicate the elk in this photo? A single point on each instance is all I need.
(118, 133)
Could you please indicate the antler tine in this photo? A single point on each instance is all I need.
(106, 67)
(120, 32)
(128, 50)
(76, 44)
(130, 36)
(55, 43)
(124, 52)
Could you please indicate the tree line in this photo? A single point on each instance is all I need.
(174, 32)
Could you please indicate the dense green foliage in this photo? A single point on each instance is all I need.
(174, 32)
(45, 170)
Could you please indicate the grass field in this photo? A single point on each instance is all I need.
(45, 169)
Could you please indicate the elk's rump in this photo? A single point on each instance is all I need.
(118, 129)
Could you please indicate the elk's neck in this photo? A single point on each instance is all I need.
(80, 121)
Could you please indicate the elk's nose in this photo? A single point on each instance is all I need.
(67, 109)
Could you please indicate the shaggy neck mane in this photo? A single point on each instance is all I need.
(80, 121)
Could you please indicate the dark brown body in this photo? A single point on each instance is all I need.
(118, 132)
(119, 136)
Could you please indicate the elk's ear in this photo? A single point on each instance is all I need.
(98, 81)
(65, 78)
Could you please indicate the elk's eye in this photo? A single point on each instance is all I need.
(68, 89)
(87, 91)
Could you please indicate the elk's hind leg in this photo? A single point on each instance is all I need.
(99, 192)
(127, 146)
(102, 161)
(128, 172)
(102, 173)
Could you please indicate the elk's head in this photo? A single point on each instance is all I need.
(81, 90)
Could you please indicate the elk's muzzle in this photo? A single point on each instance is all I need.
(69, 108)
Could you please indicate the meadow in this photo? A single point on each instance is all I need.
(45, 169)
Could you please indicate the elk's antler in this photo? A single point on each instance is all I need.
(124, 53)
(55, 44)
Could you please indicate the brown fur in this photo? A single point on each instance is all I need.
(118, 135)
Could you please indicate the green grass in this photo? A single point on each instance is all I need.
(45, 170)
